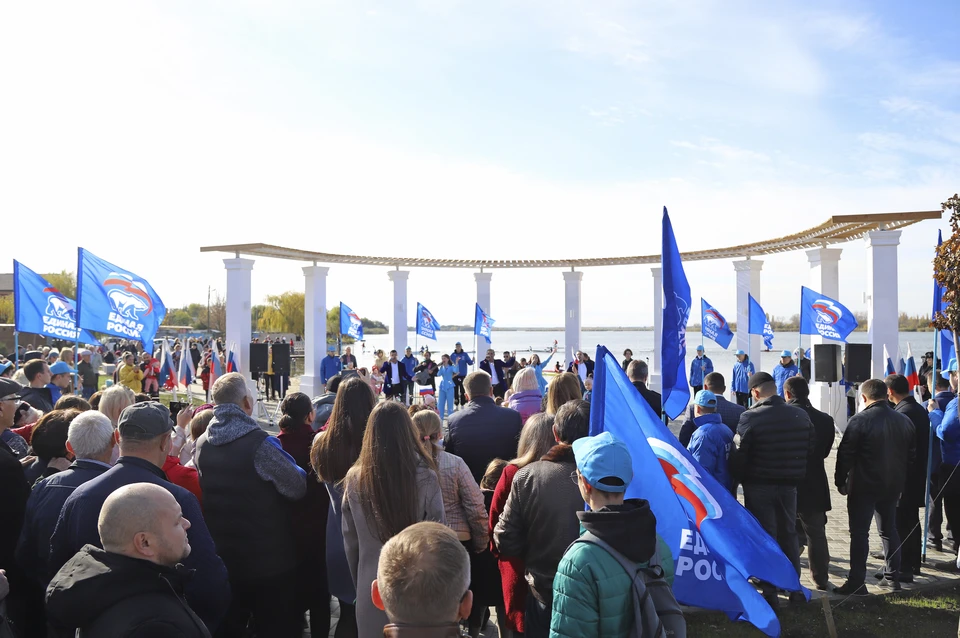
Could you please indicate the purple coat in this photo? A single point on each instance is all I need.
(526, 403)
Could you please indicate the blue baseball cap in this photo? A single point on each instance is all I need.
(458, 344)
(330, 349)
(739, 352)
(5, 366)
(601, 457)
(786, 353)
(699, 348)
(951, 367)
(61, 367)
(705, 399)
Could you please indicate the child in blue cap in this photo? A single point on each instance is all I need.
(591, 591)
(712, 441)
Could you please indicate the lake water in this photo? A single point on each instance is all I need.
(640, 341)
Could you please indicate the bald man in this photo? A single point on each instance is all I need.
(134, 585)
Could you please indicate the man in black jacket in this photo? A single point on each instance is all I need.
(914, 488)
(482, 431)
(813, 493)
(14, 492)
(776, 440)
(134, 585)
(37, 394)
(875, 453)
(497, 371)
(638, 372)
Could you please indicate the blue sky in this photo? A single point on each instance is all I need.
(460, 129)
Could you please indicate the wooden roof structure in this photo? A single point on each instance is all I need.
(836, 230)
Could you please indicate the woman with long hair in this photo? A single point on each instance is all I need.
(308, 516)
(536, 439)
(539, 367)
(526, 397)
(446, 372)
(465, 512)
(566, 387)
(335, 449)
(392, 485)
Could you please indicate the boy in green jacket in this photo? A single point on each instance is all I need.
(592, 594)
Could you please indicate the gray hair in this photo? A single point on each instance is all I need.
(90, 434)
(525, 380)
(113, 401)
(230, 388)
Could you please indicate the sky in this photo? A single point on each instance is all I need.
(438, 128)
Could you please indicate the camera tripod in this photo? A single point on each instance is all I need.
(261, 411)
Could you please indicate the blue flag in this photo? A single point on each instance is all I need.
(483, 324)
(759, 324)
(350, 323)
(821, 315)
(716, 544)
(41, 309)
(946, 336)
(713, 325)
(676, 312)
(116, 301)
(427, 326)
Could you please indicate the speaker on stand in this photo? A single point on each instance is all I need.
(259, 364)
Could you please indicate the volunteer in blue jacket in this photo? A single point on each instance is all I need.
(409, 363)
(539, 367)
(712, 441)
(784, 370)
(330, 366)
(946, 423)
(460, 361)
(700, 367)
(740, 384)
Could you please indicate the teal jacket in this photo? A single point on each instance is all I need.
(592, 596)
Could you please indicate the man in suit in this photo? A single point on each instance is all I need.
(813, 492)
(495, 368)
(914, 489)
(482, 431)
(638, 372)
(395, 377)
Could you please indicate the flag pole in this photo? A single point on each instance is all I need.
(926, 497)
(76, 359)
(16, 351)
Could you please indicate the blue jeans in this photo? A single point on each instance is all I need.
(445, 401)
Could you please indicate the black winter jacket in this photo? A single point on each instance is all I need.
(109, 595)
(813, 493)
(776, 440)
(914, 488)
(483, 431)
(876, 451)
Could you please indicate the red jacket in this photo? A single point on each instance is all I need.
(186, 477)
(512, 568)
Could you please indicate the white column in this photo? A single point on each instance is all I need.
(825, 279)
(483, 299)
(653, 382)
(883, 307)
(398, 326)
(315, 328)
(748, 283)
(239, 276)
(571, 313)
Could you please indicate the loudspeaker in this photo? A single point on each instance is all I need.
(281, 359)
(859, 362)
(258, 358)
(826, 362)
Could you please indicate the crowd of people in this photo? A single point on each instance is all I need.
(420, 517)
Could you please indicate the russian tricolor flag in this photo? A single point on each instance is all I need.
(187, 372)
(168, 375)
(233, 358)
(910, 369)
(216, 370)
(890, 369)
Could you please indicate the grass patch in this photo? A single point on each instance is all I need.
(915, 615)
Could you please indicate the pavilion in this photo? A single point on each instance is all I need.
(881, 231)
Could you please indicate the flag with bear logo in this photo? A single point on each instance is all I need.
(713, 325)
(116, 301)
(39, 308)
(716, 544)
(821, 315)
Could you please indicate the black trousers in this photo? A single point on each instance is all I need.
(536, 618)
(269, 605)
(459, 396)
(743, 398)
(936, 509)
(814, 526)
(910, 532)
(697, 388)
(775, 507)
(860, 512)
(950, 492)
